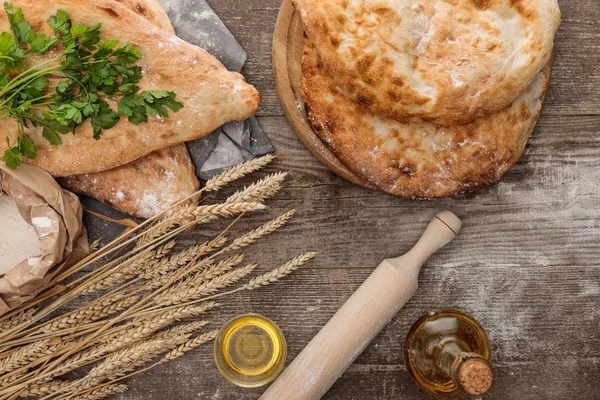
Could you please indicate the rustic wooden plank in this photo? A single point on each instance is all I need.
(526, 264)
(544, 212)
(576, 70)
(542, 322)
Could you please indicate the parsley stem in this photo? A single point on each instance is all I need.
(19, 79)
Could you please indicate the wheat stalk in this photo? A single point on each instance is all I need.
(50, 387)
(17, 319)
(123, 361)
(204, 214)
(260, 190)
(24, 355)
(131, 268)
(173, 355)
(189, 345)
(266, 229)
(97, 310)
(214, 270)
(182, 329)
(130, 358)
(121, 332)
(207, 270)
(102, 392)
(186, 291)
(166, 266)
(272, 276)
(237, 172)
(279, 273)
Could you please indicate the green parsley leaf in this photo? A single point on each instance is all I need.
(36, 88)
(13, 157)
(60, 23)
(27, 148)
(14, 17)
(23, 32)
(10, 54)
(105, 119)
(40, 44)
(86, 74)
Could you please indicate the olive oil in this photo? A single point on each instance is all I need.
(250, 350)
(447, 353)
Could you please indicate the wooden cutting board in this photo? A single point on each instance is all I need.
(288, 42)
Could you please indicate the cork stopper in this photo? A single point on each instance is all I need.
(475, 376)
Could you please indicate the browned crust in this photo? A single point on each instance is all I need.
(469, 156)
(212, 95)
(451, 62)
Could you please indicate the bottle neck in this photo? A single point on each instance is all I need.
(469, 371)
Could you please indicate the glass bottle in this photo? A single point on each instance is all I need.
(447, 353)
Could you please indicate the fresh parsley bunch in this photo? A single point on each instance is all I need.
(73, 83)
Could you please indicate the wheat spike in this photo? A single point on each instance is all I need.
(25, 355)
(131, 268)
(189, 345)
(183, 329)
(214, 270)
(101, 308)
(207, 270)
(95, 245)
(143, 328)
(167, 265)
(279, 273)
(50, 387)
(148, 324)
(204, 214)
(266, 229)
(186, 291)
(237, 172)
(102, 393)
(260, 190)
(121, 362)
(18, 319)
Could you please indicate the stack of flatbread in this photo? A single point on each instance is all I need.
(140, 169)
(426, 98)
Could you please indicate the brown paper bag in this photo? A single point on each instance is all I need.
(63, 239)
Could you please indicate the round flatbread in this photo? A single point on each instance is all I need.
(418, 160)
(439, 61)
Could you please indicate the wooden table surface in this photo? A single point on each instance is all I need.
(527, 264)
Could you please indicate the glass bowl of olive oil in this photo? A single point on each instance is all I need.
(250, 350)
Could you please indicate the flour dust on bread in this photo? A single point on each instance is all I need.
(144, 188)
(212, 96)
(440, 61)
(151, 184)
(419, 160)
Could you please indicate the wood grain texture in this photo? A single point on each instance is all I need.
(526, 265)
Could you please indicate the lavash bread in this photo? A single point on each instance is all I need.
(440, 61)
(418, 160)
(143, 188)
(212, 96)
(151, 184)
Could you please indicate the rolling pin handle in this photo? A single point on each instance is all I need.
(441, 230)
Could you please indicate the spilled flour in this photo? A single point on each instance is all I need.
(18, 240)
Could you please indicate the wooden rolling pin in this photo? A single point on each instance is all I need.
(361, 318)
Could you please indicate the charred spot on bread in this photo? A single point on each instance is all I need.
(362, 99)
(110, 11)
(481, 4)
(140, 8)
